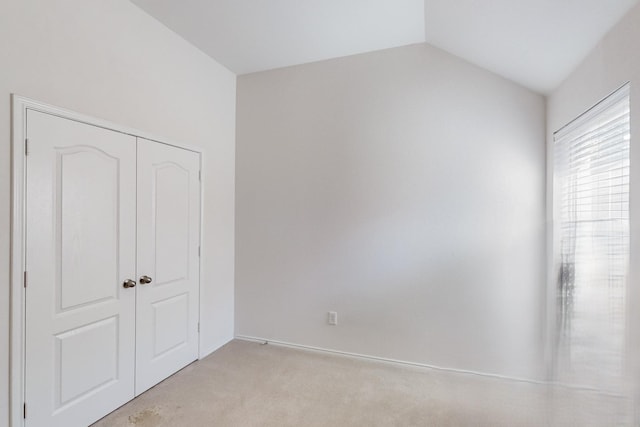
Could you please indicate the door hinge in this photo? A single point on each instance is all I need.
(198, 326)
(200, 175)
(198, 250)
(25, 279)
(26, 146)
(24, 411)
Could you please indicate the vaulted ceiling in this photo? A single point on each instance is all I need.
(533, 42)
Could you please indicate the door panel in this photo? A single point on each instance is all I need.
(79, 374)
(80, 247)
(84, 220)
(171, 223)
(168, 240)
(171, 323)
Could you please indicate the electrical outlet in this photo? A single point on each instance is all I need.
(333, 318)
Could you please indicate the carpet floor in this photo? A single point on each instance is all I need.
(249, 384)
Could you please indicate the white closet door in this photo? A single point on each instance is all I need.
(168, 239)
(80, 248)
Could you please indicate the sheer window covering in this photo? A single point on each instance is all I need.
(592, 181)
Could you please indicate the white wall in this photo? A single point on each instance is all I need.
(404, 189)
(613, 62)
(109, 59)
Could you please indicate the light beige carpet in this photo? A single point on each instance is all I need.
(248, 384)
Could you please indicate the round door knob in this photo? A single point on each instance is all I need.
(145, 279)
(129, 284)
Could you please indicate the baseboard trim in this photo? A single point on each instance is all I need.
(434, 367)
(386, 360)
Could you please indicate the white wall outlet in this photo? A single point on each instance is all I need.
(333, 318)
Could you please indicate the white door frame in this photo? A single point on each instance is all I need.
(20, 105)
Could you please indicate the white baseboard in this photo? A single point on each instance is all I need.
(386, 360)
(427, 366)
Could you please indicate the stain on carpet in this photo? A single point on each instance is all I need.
(146, 418)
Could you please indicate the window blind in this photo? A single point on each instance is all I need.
(592, 181)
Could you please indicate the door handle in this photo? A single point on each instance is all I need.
(129, 283)
(145, 280)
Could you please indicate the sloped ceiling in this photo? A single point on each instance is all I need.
(533, 42)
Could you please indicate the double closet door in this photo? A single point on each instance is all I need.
(112, 266)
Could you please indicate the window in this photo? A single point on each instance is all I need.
(592, 223)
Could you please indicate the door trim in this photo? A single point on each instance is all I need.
(19, 107)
